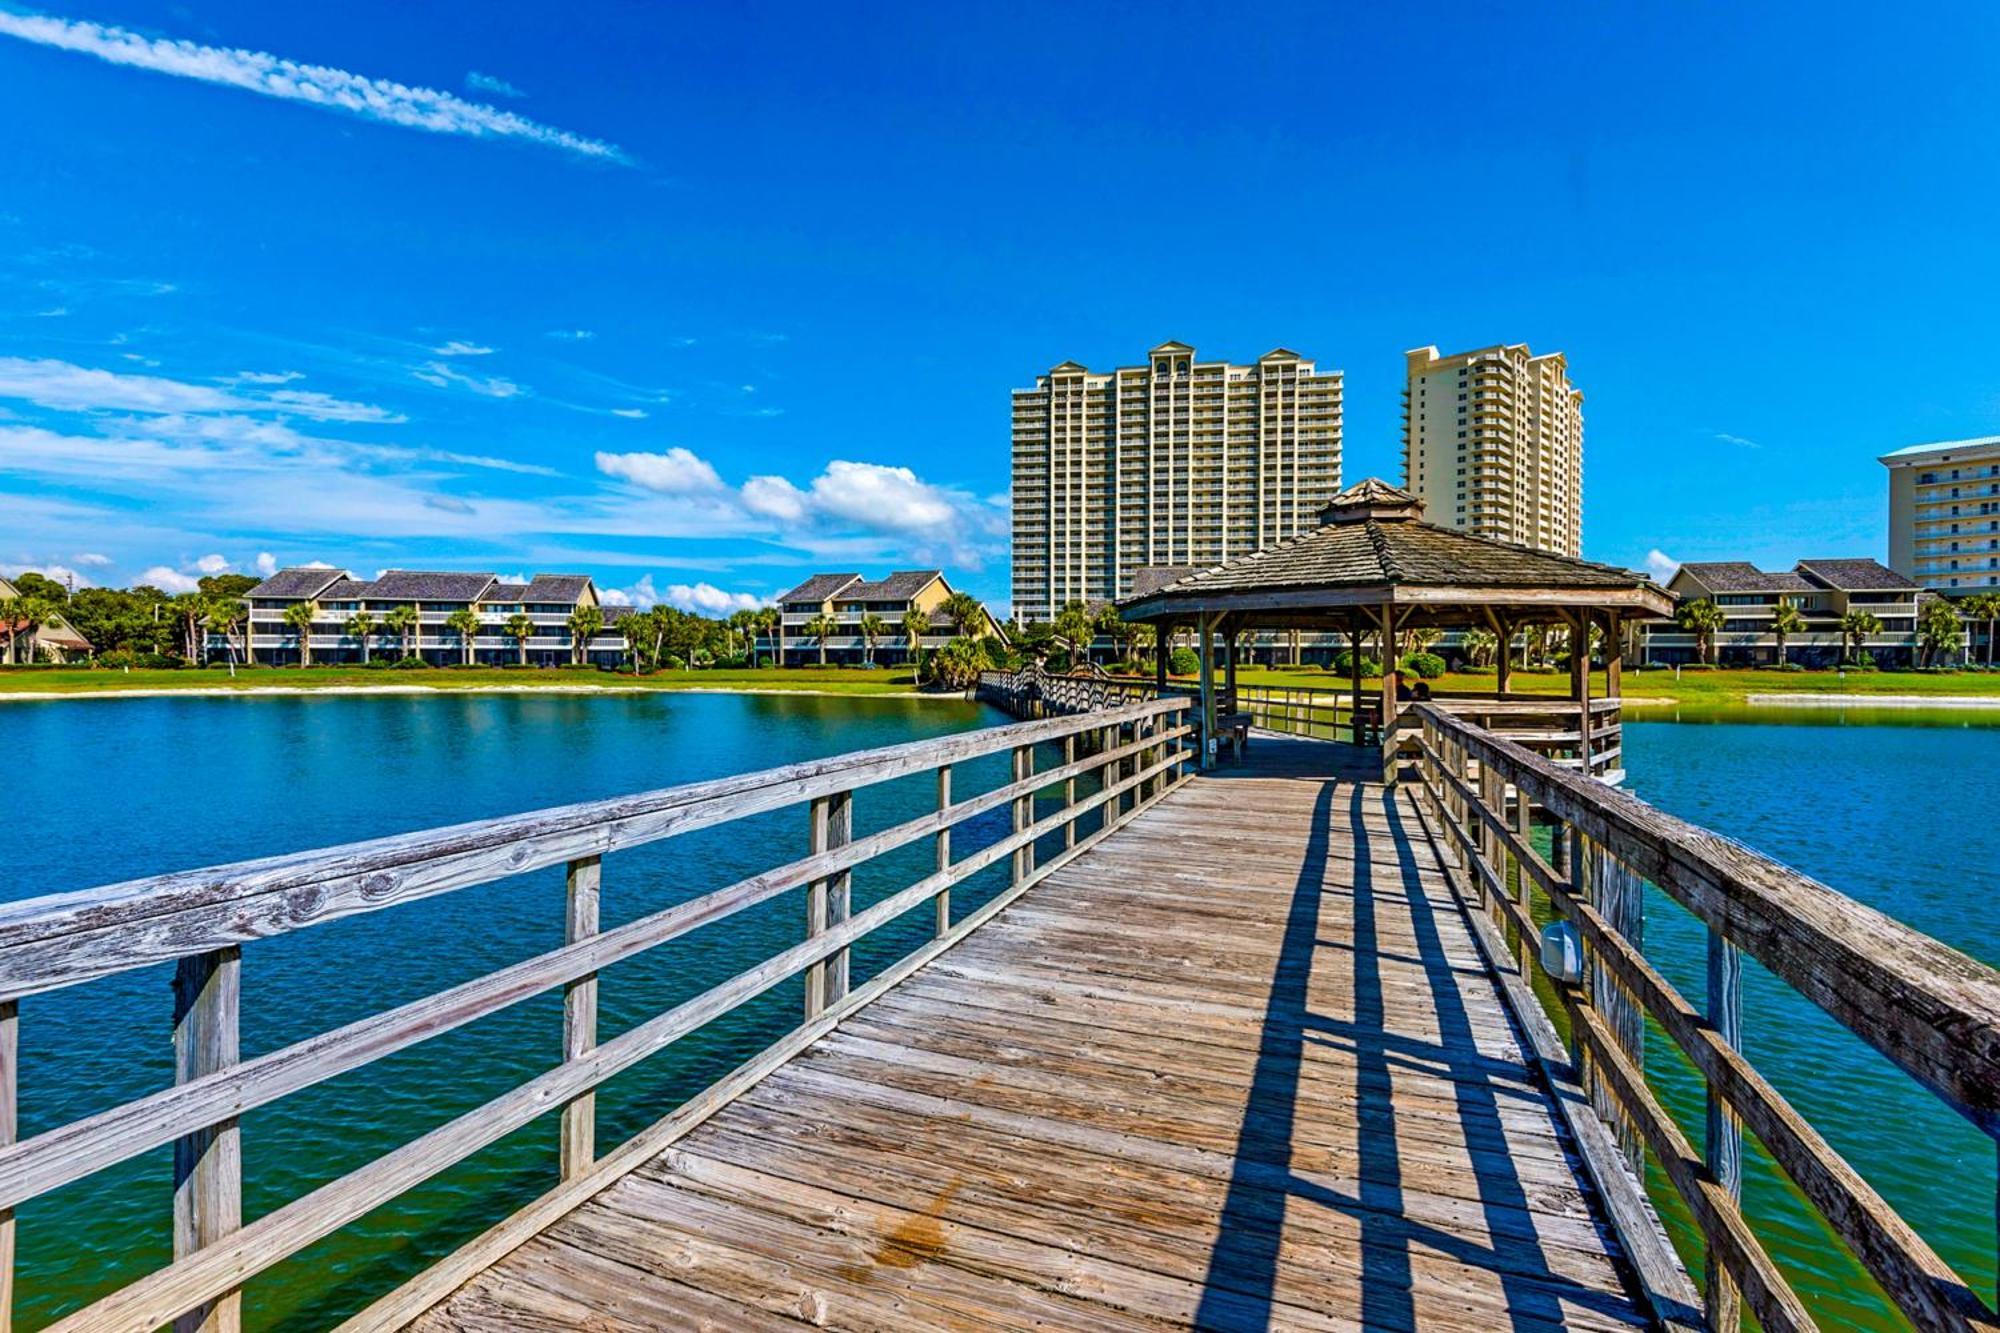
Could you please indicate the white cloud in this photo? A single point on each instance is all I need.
(91, 559)
(572, 335)
(774, 497)
(315, 85)
(53, 312)
(678, 471)
(1661, 566)
(629, 413)
(440, 375)
(1737, 440)
(641, 596)
(67, 387)
(459, 347)
(267, 564)
(491, 83)
(169, 580)
(264, 377)
(708, 600)
(213, 564)
(874, 496)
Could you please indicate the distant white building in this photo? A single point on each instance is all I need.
(1944, 514)
(1823, 590)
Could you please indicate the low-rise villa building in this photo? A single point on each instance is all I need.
(846, 600)
(409, 614)
(53, 640)
(1824, 591)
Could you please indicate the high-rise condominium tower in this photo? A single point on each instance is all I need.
(1493, 445)
(1176, 462)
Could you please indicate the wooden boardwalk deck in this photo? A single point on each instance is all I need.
(1240, 1066)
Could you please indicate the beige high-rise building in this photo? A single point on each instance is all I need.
(1493, 445)
(1177, 462)
(1944, 514)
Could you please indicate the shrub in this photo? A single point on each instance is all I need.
(1343, 664)
(407, 664)
(1425, 666)
(1470, 670)
(1184, 662)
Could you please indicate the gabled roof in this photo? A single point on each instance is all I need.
(507, 592)
(898, 587)
(430, 585)
(556, 588)
(346, 589)
(303, 581)
(1281, 354)
(1152, 578)
(1372, 547)
(819, 587)
(1068, 366)
(1742, 576)
(1856, 576)
(1171, 346)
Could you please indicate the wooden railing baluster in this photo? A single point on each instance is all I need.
(1723, 1148)
(10, 1055)
(208, 1163)
(831, 826)
(578, 1142)
(942, 903)
(1069, 791)
(1024, 812)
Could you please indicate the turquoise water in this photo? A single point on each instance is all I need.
(1895, 809)
(107, 790)
(1894, 813)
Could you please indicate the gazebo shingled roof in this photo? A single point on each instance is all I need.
(1373, 547)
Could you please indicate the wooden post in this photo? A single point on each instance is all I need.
(1579, 684)
(1391, 680)
(1721, 1301)
(1523, 821)
(1024, 813)
(1229, 649)
(1354, 679)
(1503, 663)
(1069, 791)
(208, 1164)
(10, 1054)
(943, 899)
(831, 824)
(578, 1142)
(1207, 689)
(1618, 894)
(1163, 642)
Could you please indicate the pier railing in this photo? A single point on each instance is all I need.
(201, 921)
(1931, 1010)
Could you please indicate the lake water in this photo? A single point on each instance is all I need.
(1896, 814)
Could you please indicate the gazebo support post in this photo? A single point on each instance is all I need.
(1354, 677)
(1579, 683)
(1207, 637)
(1229, 646)
(1503, 664)
(1163, 644)
(1391, 679)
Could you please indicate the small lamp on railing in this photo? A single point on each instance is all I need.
(1562, 953)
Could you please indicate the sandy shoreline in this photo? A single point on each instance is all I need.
(275, 691)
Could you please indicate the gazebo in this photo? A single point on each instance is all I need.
(1374, 567)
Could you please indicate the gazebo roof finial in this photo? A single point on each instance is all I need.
(1372, 498)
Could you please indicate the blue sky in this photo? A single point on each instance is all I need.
(701, 299)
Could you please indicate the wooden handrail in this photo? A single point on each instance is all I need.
(1932, 1010)
(1138, 755)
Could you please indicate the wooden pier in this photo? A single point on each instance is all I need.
(1232, 1048)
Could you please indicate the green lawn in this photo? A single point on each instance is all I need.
(84, 680)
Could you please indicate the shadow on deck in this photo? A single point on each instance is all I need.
(1241, 1066)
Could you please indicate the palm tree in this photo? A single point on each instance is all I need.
(23, 616)
(1939, 630)
(915, 625)
(1856, 628)
(299, 617)
(521, 628)
(743, 624)
(1073, 625)
(10, 620)
(361, 626)
(818, 628)
(465, 623)
(634, 627)
(873, 628)
(1701, 618)
(1480, 645)
(769, 623)
(1786, 621)
(1983, 606)
(967, 614)
(224, 615)
(584, 624)
(189, 608)
(404, 621)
